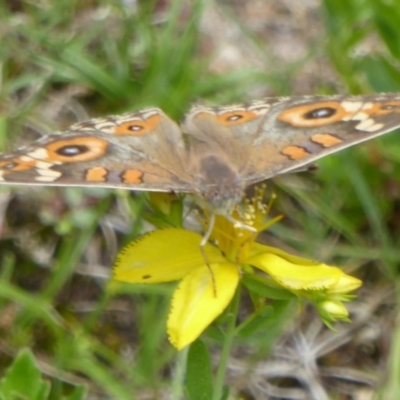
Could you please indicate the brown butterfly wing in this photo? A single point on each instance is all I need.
(141, 151)
(278, 135)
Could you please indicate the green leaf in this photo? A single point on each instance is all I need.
(264, 318)
(381, 73)
(226, 393)
(23, 380)
(78, 393)
(262, 286)
(256, 322)
(387, 17)
(199, 372)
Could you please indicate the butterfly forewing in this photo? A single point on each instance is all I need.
(141, 151)
(298, 131)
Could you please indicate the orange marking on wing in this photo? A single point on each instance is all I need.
(326, 139)
(138, 128)
(236, 117)
(205, 114)
(229, 118)
(96, 174)
(295, 152)
(383, 108)
(87, 148)
(300, 116)
(16, 164)
(132, 176)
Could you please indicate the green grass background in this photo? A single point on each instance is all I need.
(67, 60)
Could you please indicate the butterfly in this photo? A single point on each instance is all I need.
(215, 153)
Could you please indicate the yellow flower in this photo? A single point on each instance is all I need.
(207, 286)
(332, 310)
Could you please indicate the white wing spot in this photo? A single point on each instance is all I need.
(105, 127)
(48, 173)
(43, 165)
(368, 106)
(26, 158)
(45, 178)
(351, 106)
(360, 116)
(368, 125)
(146, 114)
(40, 153)
(375, 127)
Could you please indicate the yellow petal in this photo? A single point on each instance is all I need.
(162, 256)
(298, 277)
(197, 302)
(260, 249)
(345, 284)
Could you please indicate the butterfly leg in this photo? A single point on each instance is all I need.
(203, 242)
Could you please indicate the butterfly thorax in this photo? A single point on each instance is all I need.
(219, 185)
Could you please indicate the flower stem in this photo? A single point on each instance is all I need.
(230, 334)
(179, 375)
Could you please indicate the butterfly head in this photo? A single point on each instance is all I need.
(220, 187)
